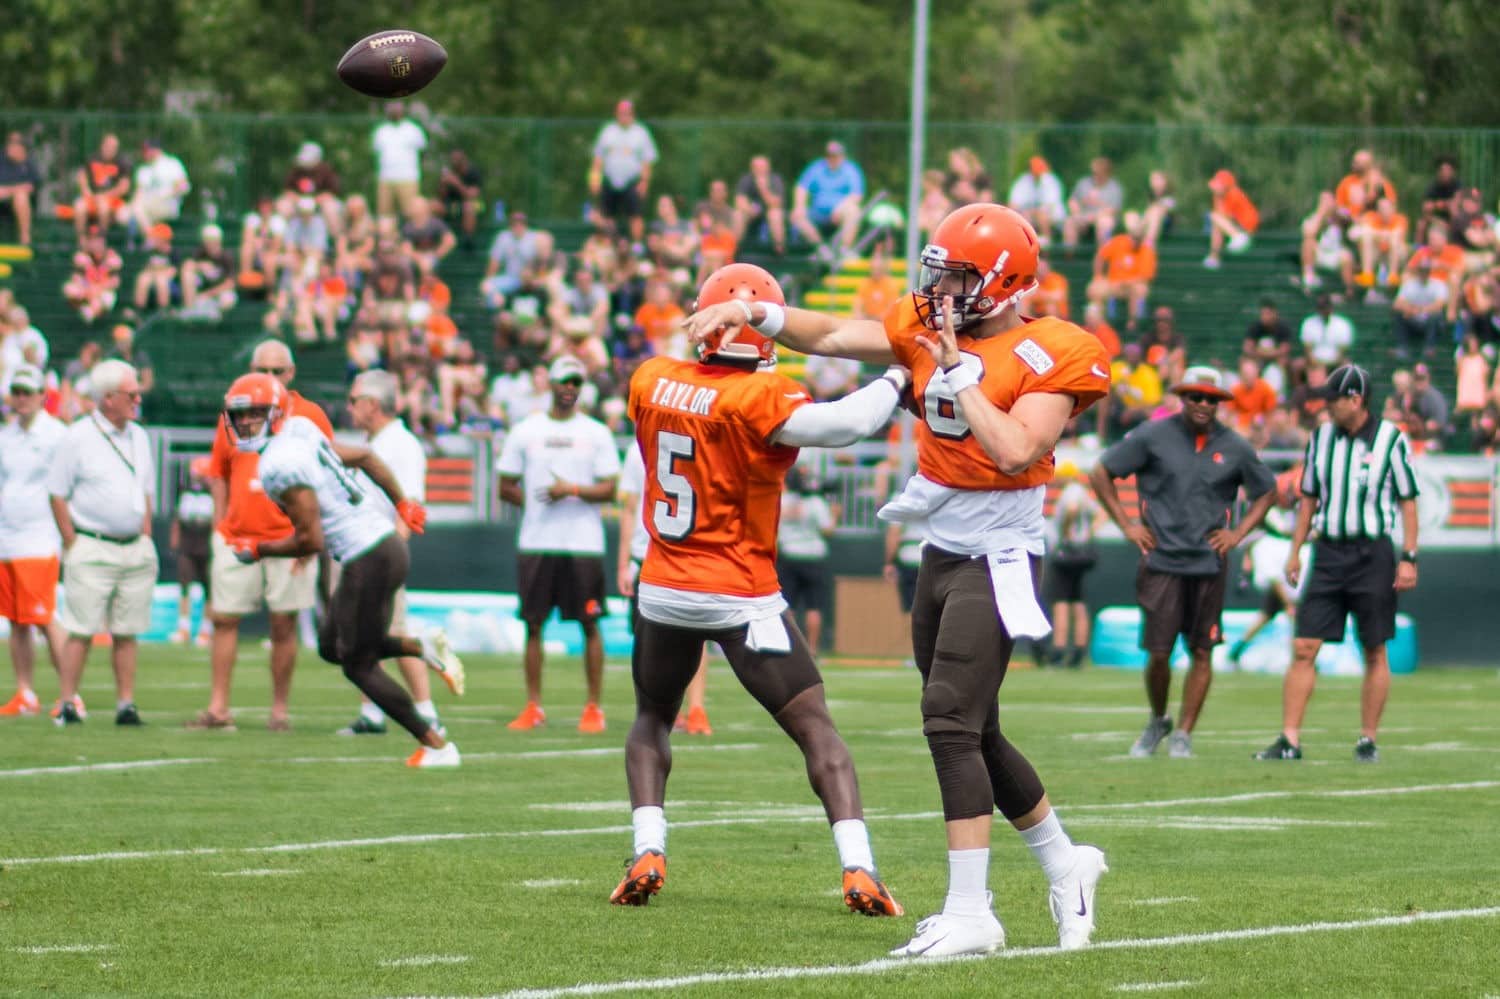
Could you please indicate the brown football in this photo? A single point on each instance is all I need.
(392, 63)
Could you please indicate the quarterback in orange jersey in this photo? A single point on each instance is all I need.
(994, 392)
(717, 436)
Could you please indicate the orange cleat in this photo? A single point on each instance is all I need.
(697, 722)
(644, 876)
(532, 717)
(592, 719)
(866, 894)
(24, 703)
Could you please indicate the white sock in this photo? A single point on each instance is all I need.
(428, 711)
(371, 713)
(968, 882)
(853, 841)
(122, 705)
(650, 825)
(184, 623)
(1050, 846)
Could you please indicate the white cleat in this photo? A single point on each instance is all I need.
(426, 756)
(1072, 899)
(438, 654)
(944, 935)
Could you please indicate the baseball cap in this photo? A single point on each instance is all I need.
(1202, 378)
(566, 367)
(1221, 181)
(1038, 165)
(26, 377)
(309, 153)
(1346, 380)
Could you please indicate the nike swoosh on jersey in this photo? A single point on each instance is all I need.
(1099, 371)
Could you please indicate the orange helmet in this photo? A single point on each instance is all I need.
(991, 250)
(254, 395)
(748, 283)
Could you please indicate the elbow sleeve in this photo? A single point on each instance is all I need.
(836, 424)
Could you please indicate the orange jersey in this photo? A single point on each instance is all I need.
(659, 321)
(1237, 205)
(1042, 355)
(874, 295)
(1050, 297)
(712, 499)
(249, 512)
(1127, 260)
(1444, 265)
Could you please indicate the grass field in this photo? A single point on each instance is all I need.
(303, 864)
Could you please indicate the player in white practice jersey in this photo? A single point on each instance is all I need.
(314, 481)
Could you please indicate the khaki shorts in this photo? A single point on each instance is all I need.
(108, 587)
(391, 195)
(239, 589)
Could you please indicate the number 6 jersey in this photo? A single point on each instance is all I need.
(301, 457)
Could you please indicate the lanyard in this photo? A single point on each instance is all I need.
(116, 448)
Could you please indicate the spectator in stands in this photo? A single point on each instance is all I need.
(156, 282)
(20, 181)
(74, 385)
(461, 378)
(631, 350)
(261, 235)
(1163, 346)
(830, 192)
(1232, 217)
(1323, 246)
(418, 402)
(103, 185)
(717, 203)
(878, 291)
(660, 315)
(624, 155)
(1095, 323)
(1051, 295)
(1135, 389)
(1426, 409)
(934, 205)
(313, 177)
(716, 243)
(514, 249)
(830, 377)
(95, 282)
(1124, 268)
(672, 242)
(1326, 336)
(600, 251)
(1445, 262)
(1252, 398)
(1095, 204)
(125, 350)
(461, 195)
(1381, 235)
(1364, 185)
(160, 184)
(1473, 231)
(1269, 338)
(1481, 298)
(513, 382)
(1438, 202)
(1472, 381)
(1419, 309)
(355, 246)
(21, 345)
(425, 238)
(208, 278)
(363, 350)
(1161, 208)
(966, 180)
(322, 304)
(306, 240)
(398, 143)
(583, 306)
(1306, 401)
(1038, 195)
(760, 200)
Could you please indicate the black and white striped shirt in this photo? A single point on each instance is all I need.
(1358, 479)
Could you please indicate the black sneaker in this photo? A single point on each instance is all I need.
(1282, 749)
(1235, 651)
(1365, 751)
(363, 726)
(67, 715)
(128, 715)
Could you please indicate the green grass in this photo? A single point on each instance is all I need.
(755, 885)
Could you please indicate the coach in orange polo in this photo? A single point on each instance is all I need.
(285, 586)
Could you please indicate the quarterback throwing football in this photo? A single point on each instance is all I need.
(994, 392)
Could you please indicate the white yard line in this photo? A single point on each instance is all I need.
(257, 872)
(63, 949)
(425, 960)
(881, 966)
(1231, 799)
(551, 883)
(1157, 986)
(1165, 900)
(87, 768)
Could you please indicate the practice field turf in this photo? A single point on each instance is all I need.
(162, 862)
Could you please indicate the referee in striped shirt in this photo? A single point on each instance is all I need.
(1356, 474)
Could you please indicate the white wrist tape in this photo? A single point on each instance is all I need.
(960, 378)
(773, 323)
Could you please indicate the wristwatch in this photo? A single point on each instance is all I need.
(1409, 556)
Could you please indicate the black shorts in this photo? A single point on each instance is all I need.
(906, 586)
(804, 583)
(192, 567)
(618, 203)
(1272, 603)
(1064, 581)
(666, 657)
(1173, 604)
(960, 644)
(1351, 577)
(358, 620)
(574, 584)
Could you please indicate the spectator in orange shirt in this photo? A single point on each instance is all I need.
(324, 303)
(1444, 260)
(284, 586)
(1382, 239)
(1252, 397)
(875, 294)
(1362, 186)
(1095, 323)
(1051, 295)
(716, 242)
(1233, 217)
(659, 315)
(1124, 267)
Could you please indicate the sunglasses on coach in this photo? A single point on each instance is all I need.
(1201, 398)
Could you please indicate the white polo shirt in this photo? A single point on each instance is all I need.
(27, 529)
(398, 150)
(402, 453)
(541, 450)
(108, 476)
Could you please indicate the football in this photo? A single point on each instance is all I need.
(392, 63)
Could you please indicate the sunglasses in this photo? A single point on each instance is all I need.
(1202, 398)
(129, 395)
(573, 381)
(271, 371)
(22, 391)
(355, 398)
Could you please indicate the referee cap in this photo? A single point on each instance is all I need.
(1346, 380)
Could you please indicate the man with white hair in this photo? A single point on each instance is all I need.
(284, 586)
(28, 534)
(102, 484)
(372, 408)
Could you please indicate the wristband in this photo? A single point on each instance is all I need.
(771, 326)
(897, 376)
(1409, 556)
(960, 377)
